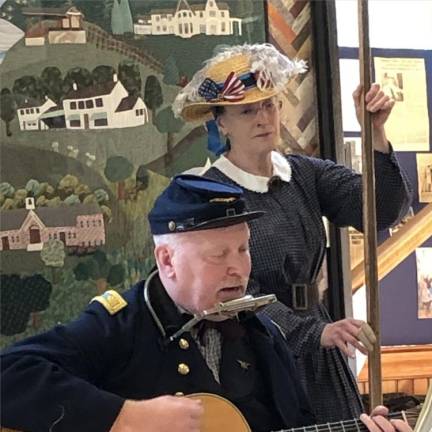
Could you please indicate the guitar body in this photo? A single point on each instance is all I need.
(220, 415)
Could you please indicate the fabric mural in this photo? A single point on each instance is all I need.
(88, 140)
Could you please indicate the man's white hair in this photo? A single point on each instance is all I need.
(172, 240)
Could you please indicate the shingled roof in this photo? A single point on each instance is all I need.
(50, 216)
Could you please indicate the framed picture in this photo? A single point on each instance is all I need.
(89, 139)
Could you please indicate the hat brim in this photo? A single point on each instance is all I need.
(225, 221)
(202, 111)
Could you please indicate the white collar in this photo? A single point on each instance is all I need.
(255, 183)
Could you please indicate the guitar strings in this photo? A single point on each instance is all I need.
(355, 425)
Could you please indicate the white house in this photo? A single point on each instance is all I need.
(103, 106)
(187, 21)
(29, 114)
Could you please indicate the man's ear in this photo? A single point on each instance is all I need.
(164, 259)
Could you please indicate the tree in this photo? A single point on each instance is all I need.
(99, 269)
(67, 185)
(130, 77)
(142, 178)
(167, 123)
(171, 72)
(153, 95)
(33, 188)
(126, 16)
(78, 75)
(53, 82)
(7, 108)
(15, 313)
(102, 74)
(117, 170)
(7, 190)
(53, 255)
(30, 88)
(116, 19)
(21, 297)
(38, 292)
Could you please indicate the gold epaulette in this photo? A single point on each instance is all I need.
(111, 300)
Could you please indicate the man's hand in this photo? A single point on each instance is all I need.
(377, 422)
(380, 106)
(357, 333)
(161, 414)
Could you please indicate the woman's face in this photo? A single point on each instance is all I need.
(253, 127)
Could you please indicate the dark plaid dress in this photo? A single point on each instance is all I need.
(287, 246)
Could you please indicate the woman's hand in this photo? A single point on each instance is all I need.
(380, 106)
(357, 333)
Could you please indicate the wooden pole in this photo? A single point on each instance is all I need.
(369, 210)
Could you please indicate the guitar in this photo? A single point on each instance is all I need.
(222, 415)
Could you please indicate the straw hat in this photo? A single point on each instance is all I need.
(238, 75)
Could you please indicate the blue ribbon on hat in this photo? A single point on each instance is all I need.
(214, 143)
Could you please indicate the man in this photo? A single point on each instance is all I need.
(116, 369)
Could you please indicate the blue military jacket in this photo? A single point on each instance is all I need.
(77, 377)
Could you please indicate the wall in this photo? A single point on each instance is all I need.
(397, 29)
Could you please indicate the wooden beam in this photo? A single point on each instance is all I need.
(398, 247)
(369, 209)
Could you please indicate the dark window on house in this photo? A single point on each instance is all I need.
(28, 111)
(22, 111)
(89, 103)
(88, 224)
(101, 122)
(73, 105)
(13, 239)
(17, 238)
(81, 104)
(100, 222)
(75, 123)
(49, 236)
(55, 235)
(74, 235)
(69, 235)
(31, 111)
(94, 223)
(37, 110)
(99, 102)
(82, 224)
(222, 13)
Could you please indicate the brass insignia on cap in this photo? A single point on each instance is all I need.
(226, 200)
(171, 225)
(111, 300)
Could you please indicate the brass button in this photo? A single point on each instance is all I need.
(171, 225)
(183, 344)
(178, 394)
(183, 369)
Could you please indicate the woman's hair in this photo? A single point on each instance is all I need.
(217, 111)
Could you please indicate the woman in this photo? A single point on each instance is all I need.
(237, 94)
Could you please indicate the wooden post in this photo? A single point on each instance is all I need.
(369, 210)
